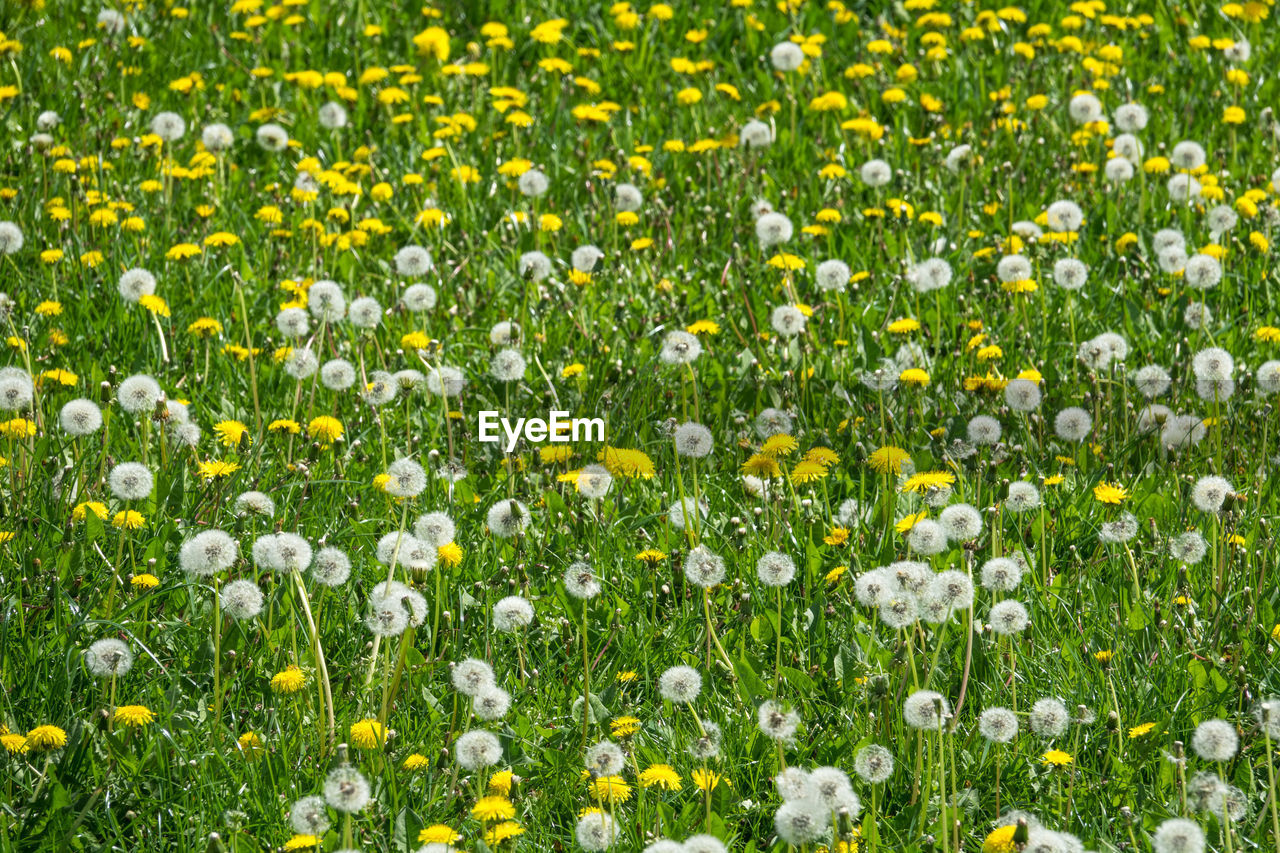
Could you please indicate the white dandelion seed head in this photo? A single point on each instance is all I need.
(1065, 216)
(1187, 155)
(326, 301)
(627, 198)
(680, 684)
(1022, 496)
(138, 394)
(792, 783)
(1022, 395)
(775, 569)
(777, 721)
(130, 481)
(1268, 377)
(477, 749)
(1215, 740)
(301, 363)
(1084, 108)
(1049, 717)
(581, 582)
(254, 503)
(832, 275)
(108, 657)
(1014, 268)
(930, 274)
(533, 183)
(504, 333)
(337, 374)
(679, 347)
(873, 764)
(207, 553)
(786, 56)
(703, 568)
(407, 479)
(802, 821)
(418, 298)
(755, 134)
(507, 365)
(534, 266)
(585, 258)
(365, 313)
(293, 322)
(983, 430)
(1118, 531)
(771, 422)
(1178, 835)
(594, 481)
(1152, 381)
(1073, 424)
(169, 126)
(693, 440)
(925, 709)
(332, 116)
(472, 676)
(413, 261)
(241, 599)
(135, 284)
(596, 831)
(1008, 617)
(435, 529)
(1209, 493)
(958, 157)
(1213, 363)
(606, 759)
(309, 816)
(446, 381)
(330, 568)
(1197, 315)
(1118, 170)
(1000, 574)
(507, 518)
(1183, 188)
(80, 417)
(272, 137)
(773, 229)
(927, 537)
(998, 725)
(1130, 118)
(512, 613)
(1070, 274)
(876, 173)
(788, 320)
(346, 790)
(380, 389)
(961, 522)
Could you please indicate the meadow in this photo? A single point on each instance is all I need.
(936, 345)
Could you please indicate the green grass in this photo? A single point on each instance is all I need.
(1187, 643)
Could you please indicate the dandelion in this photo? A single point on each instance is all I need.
(138, 394)
(272, 137)
(168, 126)
(133, 716)
(1215, 740)
(1049, 717)
(79, 418)
(477, 749)
(693, 440)
(108, 658)
(755, 134)
(925, 709)
(680, 347)
(1178, 835)
(534, 266)
(208, 553)
(596, 831)
(346, 790)
(680, 684)
(998, 725)
(773, 229)
(786, 56)
(507, 518)
(873, 764)
(802, 821)
(512, 613)
(309, 816)
(704, 568)
(1008, 617)
(1000, 574)
(241, 599)
(581, 582)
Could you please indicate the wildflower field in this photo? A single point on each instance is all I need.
(917, 364)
